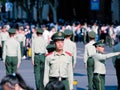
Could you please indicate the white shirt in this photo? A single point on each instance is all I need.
(46, 35)
(100, 63)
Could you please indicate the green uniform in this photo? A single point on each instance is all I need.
(59, 67)
(70, 45)
(3, 37)
(100, 70)
(11, 55)
(99, 66)
(38, 57)
(89, 62)
(21, 39)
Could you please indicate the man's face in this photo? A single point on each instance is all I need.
(100, 49)
(59, 44)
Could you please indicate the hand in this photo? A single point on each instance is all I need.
(32, 62)
(4, 64)
(73, 65)
(18, 65)
(85, 65)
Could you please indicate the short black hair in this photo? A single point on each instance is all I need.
(12, 79)
(55, 85)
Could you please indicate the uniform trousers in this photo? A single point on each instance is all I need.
(39, 62)
(64, 81)
(2, 46)
(90, 69)
(21, 48)
(1, 53)
(99, 81)
(11, 64)
(117, 67)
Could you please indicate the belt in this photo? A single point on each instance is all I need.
(99, 74)
(57, 78)
(39, 53)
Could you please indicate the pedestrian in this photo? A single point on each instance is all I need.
(70, 45)
(14, 82)
(95, 28)
(99, 65)
(116, 61)
(58, 64)
(88, 60)
(20, 37)
(38, 58)
(45, 33)
(4, 35)
(11, 53)
(28, 34)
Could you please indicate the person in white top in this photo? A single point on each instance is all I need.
(52, 31)
(45, 33)
(95, 29)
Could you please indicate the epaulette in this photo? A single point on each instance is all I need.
(48, 54)
(70, 54)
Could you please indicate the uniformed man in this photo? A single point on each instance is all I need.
(116, 60)
(11, 53)
(99, 65)
(20, 37)
(3, 36)
(88, 60)
(70, 45)
(58, 64)
(38, 58)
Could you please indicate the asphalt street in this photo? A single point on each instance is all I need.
(26, 70)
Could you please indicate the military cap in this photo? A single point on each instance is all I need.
(58, 36)
(92, 34)
(99, 43)
(50, 46)
(68, 32)
(12, 30)
(39, 30)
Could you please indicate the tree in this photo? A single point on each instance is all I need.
(39, 10)
(27, 6)
(53, 5)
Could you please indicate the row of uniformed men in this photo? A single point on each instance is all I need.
(58, 64)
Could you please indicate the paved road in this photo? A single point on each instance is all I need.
(26, 70)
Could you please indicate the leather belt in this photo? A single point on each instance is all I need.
(57, 78)
(99, 74)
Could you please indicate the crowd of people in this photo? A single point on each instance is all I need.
(52, 50)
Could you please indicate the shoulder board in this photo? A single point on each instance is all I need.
(68, 53)
(48, 54)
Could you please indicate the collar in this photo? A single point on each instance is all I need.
(92, 41)
(56, 53)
